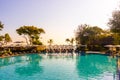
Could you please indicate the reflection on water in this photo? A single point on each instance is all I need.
(118, 68)
(35, 67)
(32, 66)
(96, 67)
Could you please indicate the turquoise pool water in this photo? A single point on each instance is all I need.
(42, 67)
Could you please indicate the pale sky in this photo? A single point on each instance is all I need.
(59, 18)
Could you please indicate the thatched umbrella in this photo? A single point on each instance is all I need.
(111, 47)
(117, 45)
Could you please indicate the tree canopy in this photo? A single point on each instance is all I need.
(86, 32)
(33, 33)
(114, 22)
(4, 39)
(7, 38)
(92, 36)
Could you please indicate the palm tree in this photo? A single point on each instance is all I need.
(1, 36)
(67, 40)
(50, 41)
(1, 26)
(1, 40)
(71, 41)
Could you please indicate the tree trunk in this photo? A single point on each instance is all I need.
(26, 39)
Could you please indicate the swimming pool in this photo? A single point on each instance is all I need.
(42, 67)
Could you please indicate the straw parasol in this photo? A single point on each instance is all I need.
(110, 46)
